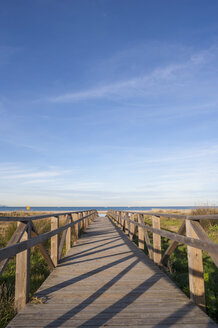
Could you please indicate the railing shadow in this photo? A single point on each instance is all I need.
(80, 254)
(86, 275)
(93, 259)
(93, 297)
(91, 242)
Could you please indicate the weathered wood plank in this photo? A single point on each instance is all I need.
(22, 276)
(132, 227)
(54, 241)
(35, 217)
(69, 233)
(141, 232)
(195, 268)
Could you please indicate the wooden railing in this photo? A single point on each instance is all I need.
(196, 240)
(26, 236)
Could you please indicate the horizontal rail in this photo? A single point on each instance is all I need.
(12, 250)
(38, 217)
(176, 216)
(203, 245)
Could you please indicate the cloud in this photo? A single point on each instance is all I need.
(117, 89)
(159, 80)
(10, 171)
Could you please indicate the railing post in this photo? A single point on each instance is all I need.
(69, 235)
(86, 220)
(117, 218)
(80, 215)
(54, 240)
(195, 268)
(123, 221)
(127, 224)
(22, 279)
(156, 240)
(132, 226)
(89, 218)
(141, 236)
(75, 217)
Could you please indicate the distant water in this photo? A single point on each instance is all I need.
(66, 208)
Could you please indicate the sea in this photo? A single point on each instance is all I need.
(98, 208)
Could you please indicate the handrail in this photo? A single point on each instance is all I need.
(176, 216)
(12, 250)
(39, 217)
(203, 245)
(26, 236)
(196, 240)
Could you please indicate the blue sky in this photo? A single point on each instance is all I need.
(108, 102)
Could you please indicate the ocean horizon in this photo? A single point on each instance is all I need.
(98, 208)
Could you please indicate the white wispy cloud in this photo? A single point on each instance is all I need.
(173, 74)
(10, 171)
(117, 88)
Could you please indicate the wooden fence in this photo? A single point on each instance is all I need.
(196, 240)
(26, 236)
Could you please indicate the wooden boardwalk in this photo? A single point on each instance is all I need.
(106, 281)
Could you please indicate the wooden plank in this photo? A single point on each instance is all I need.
(122, 221)
(141, 232)
(22, 276)
(165, 215)
(126, 224)
(85, 220)
(173, 245)
(202, 217)
(36, 217)
(69, 234)
(132, 226)
(177, 216)
(195, 268)
(156, 240)
(75, 228)
(54, 240)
